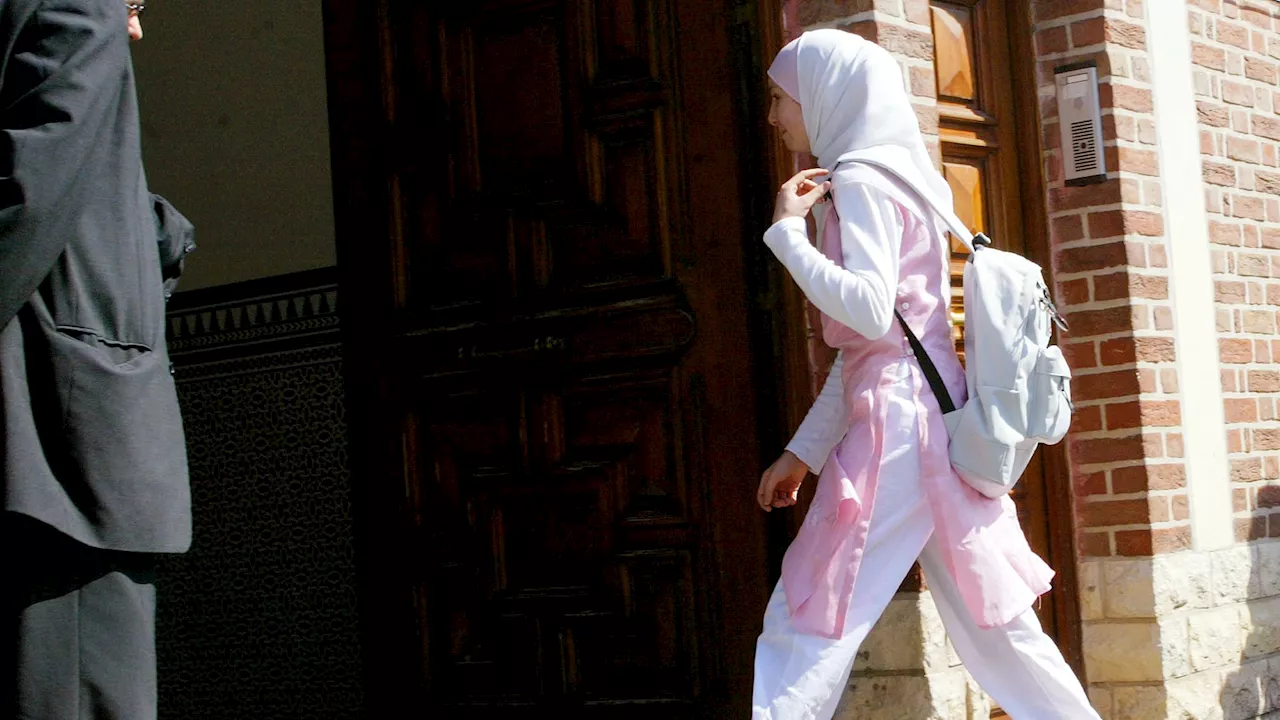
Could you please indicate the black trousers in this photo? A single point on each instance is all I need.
(79, 628)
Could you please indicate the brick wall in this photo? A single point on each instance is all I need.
(1236, 82)
(1236, 78)
(1110, 265)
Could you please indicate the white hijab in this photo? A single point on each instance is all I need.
(855, 106)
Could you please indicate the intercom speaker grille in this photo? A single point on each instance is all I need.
(1084, 151)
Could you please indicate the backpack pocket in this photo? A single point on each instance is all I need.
(1049, 397)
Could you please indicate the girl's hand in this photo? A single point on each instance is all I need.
(798, 195)
(781, 482)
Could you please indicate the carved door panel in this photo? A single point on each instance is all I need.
(980, 156)
(570, 351)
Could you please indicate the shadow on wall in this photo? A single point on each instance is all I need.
(1253, 690)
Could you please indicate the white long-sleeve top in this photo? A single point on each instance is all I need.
(861, 294)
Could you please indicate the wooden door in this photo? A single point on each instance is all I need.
(556, 331)
(987, 109)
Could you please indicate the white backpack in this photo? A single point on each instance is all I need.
(1019, 385)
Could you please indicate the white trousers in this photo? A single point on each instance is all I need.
(802, 677)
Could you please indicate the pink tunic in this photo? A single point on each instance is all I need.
(983, 544)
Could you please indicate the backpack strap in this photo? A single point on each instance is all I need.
(930, 370)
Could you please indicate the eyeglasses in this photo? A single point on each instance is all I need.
(137, 8)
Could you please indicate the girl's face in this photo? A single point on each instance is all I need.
(784, 114)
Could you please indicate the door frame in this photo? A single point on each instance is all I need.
(790, 358)
(362, 136)
(1059, 490)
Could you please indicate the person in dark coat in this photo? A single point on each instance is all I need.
(93, 463)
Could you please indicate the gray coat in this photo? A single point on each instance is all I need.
(92, 437)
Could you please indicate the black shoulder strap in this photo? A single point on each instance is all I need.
(930, 370)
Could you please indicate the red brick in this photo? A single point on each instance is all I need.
(1095, 544)
(1261, 70)
(1233, 34)
(1269, 497)
(1266, 127)
(1253, 265)
(1087, 419)
(1101, 386)
(1211, 114)
(1107, 450)
(1163, 317)
(1230, 292)
(1209, 56)
(1223, 233)
(1141, 162)
(1123, 351)
(1054, 9)
(1169, 380)
(1145, 543)
(1083, 196)
(812, 12)
(1271, 235)
(1085, 323)
(924, 82)
(918, 12)
(1143, 478)
(1173, 445)
(1214, 6)
(1273, 525)
(1266, 439)
(1098, 257)
(905, 41)
(1088, 32)
(1143, 413)
(1080, 355)
(1237, 93)
(1256, 17)
(1126, 34)
(1260, 322)
(1250, 208)
(1114, 512)
(1068, 228)
(1219, 174)
(1112, 223)
(1241, 410)
(1246, 469)
(1264, 381)
(1244, 149)
(1240, 500)
(1074, 292)
(1234, 351)
(1126, 97)
(1181, 506)
(1092, 484)
(1248, 530)
(1267, 182)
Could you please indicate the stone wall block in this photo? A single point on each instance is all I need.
(1261, 623)
(1216, 638)
(1268, 568)
(1195, 696)
(1182, 581)
(1129, 589)
(1140, 702)
(1233, 575)
(1123, 652)
(896, 641)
